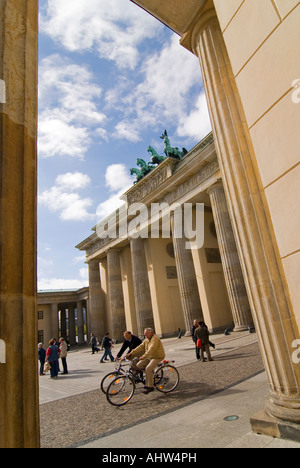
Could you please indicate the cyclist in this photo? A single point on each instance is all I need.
(131, 342)
(153, 353)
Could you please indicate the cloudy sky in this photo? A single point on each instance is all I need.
(111, 80)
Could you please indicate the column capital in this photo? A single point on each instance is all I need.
(218, 185)
(206, 17)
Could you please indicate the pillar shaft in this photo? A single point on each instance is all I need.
(143, 303)
(80, 324)
(63, 323)
(236, 289)
(188, 287)
(115, 294)
(54, 321)
(274, 319)
(19, 404)
(71, 325)
(96, 310)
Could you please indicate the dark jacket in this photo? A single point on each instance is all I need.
(106, 342)
(42, 354)
(132, 344)
(202, 334)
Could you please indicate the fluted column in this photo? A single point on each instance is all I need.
(188, 287)
(71, 325)
(96, 310)
(235, 284)
(54, 321)
(142, 295)
(115, 294)
(274, 319)
(63, 323)
(19, 403)
(80, 324)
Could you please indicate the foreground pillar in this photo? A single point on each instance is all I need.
(115, 295)
(188, 286)
(19, 403)
(274, 320)
(236, 289)
(143, 303)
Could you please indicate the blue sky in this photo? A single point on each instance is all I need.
(111, 80)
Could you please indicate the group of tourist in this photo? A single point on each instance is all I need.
(151, 351)
(148, 352)
(55, 351)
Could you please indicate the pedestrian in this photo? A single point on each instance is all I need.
(194, 327)
(153, 353)
(94, 342)
(42, 357)
(52, 356)
(202, 333)
(131, 342)
(106, 345)
(63, 354)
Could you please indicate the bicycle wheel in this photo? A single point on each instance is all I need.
(120, 390)
(166, 379)
(107, 379)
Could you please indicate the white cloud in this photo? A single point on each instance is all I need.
(113, 28)
(118, 181)
(197, 124)
(69, 108)
(63, 198)
(117, 177)
(45, 284)
(171, 77)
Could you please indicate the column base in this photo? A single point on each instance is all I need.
(264, 424)
(240, 328)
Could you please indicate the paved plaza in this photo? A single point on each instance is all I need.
(192, 417)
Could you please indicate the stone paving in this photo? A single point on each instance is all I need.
(75, 404)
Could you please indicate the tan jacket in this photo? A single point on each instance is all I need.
(63, 349)
(150, 349)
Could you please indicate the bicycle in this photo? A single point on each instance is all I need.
(108, 378)
(121, 390)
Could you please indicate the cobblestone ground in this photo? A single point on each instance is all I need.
(71, 421)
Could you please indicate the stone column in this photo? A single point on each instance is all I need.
(80, 324)
(235, 284)
(274, 319)
(96, 310)
(142, 295)
(188, 287)
(54, 321)
(115, 295)
(63, 323)
(19, 402)
(71, 325)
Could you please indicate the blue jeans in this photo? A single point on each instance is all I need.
(54, 369)
(107, 352)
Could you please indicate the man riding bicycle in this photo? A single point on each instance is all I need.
(153, 353)
(131, 342)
